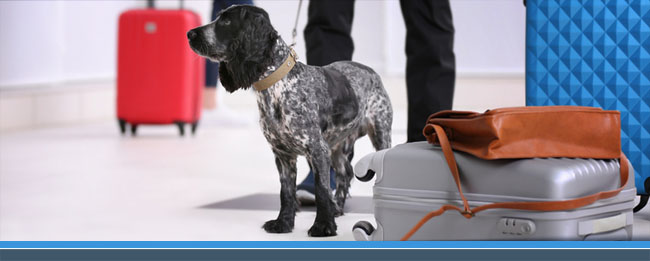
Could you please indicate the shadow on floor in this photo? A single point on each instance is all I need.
(263, 201)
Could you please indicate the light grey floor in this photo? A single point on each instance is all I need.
(85, 182)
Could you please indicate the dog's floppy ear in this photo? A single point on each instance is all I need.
(258, 35)
(252, 50)
(226, 79)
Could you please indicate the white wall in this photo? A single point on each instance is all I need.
(490, 36)
(89, 36)
(20, 33)
(45, 42)
(489, 39)
(53, 41)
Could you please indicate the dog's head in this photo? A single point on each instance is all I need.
(241, 40)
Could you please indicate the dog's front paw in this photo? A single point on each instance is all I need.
(323, 229)
(278, 226)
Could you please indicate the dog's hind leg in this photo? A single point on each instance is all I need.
(379, 131)
(341, 157)
(286, 165)
(319, 161)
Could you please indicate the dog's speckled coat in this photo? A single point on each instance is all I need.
(318, 112)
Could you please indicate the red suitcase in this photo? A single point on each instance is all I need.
(159, 78)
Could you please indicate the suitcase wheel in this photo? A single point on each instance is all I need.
(642, 203)
(181, 127)
(369, 175)
(644, 198)
(134, 129)
(362, 231)
(194, 125)
(122, 124)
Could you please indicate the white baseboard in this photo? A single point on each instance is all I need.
(50, 105)
(87, 101)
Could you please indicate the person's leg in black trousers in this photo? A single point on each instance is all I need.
(430, 61)
(328, 39)
(327, 34)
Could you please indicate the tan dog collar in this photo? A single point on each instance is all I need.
(279, 73)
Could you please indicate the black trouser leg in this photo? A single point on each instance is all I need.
(327, 34)
(430, 63)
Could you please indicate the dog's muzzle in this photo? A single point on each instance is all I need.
(191, 35)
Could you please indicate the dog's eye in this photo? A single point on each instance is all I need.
(225, 22)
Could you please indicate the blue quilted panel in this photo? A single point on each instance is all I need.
(594, 53)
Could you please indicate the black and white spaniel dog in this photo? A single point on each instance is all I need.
(316, 112)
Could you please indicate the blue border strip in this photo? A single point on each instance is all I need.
(325, 244)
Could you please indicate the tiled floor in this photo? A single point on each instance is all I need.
(87, 183)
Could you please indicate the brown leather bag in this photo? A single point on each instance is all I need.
(527, 132)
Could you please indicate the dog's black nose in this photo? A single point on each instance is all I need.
(191, 34)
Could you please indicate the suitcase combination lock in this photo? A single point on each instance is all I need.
(516, 227)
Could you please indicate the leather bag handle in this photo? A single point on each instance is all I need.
(468, 212)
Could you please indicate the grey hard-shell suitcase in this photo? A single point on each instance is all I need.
(413, 179)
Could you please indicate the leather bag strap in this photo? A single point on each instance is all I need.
(468, 212)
